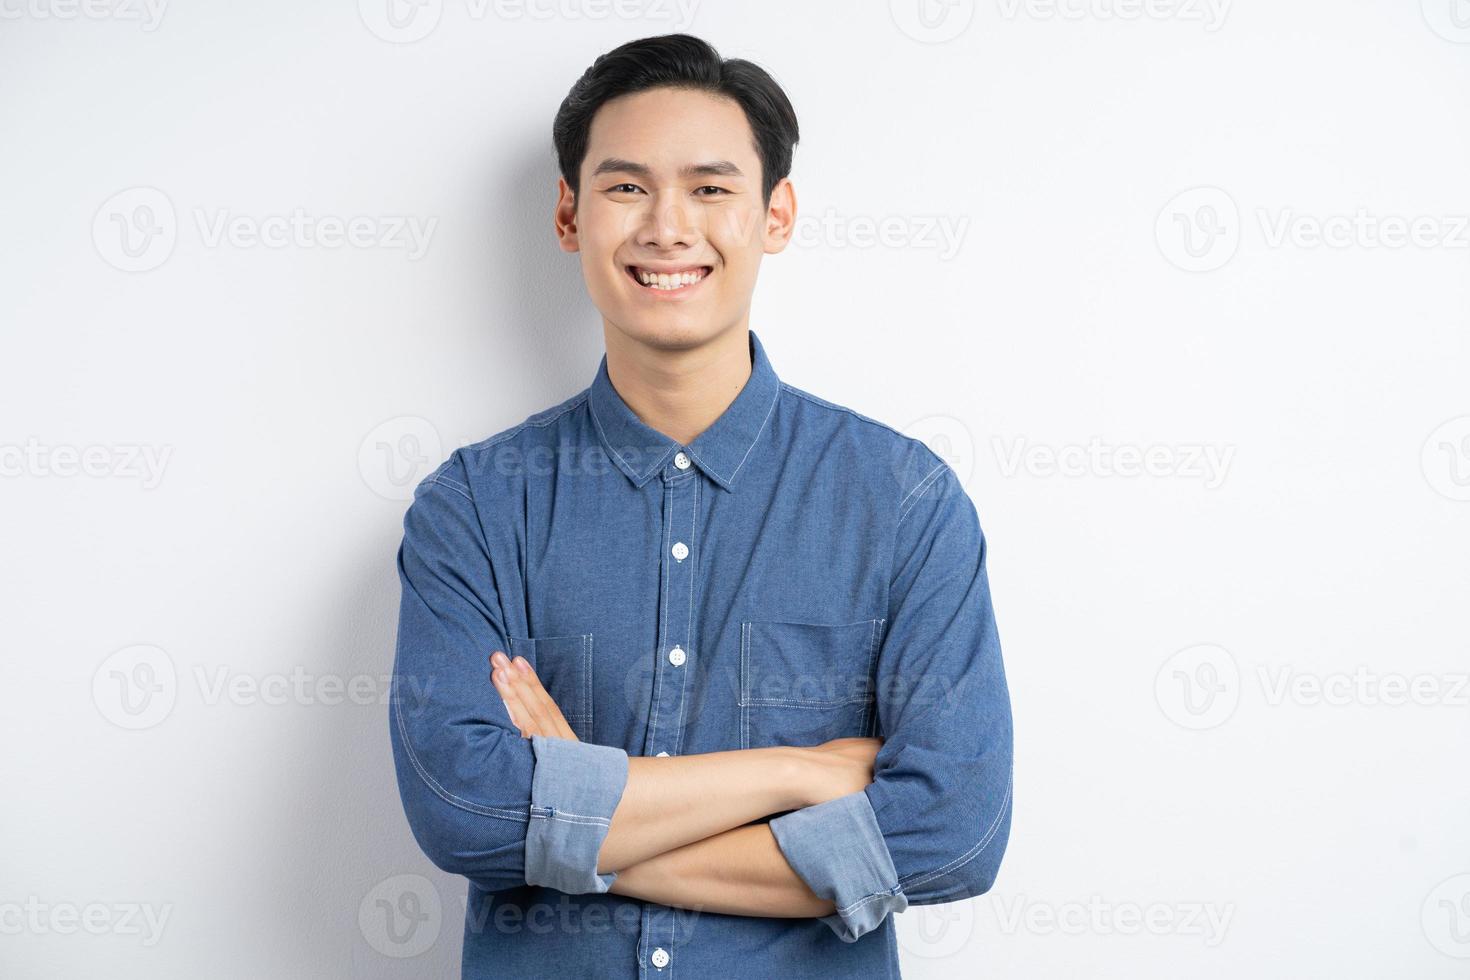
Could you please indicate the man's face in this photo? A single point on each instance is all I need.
(671, 184)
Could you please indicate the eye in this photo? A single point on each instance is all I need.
(620, 188)
(711, 187)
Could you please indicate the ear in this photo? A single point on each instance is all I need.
(780, 217)
(564, 217)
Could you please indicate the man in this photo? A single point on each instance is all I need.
(697, 673)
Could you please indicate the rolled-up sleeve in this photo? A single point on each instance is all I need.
(934, 823)
(482, 801)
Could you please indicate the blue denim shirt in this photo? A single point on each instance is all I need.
(796, 573)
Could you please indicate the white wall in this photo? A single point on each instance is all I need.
(1270, 831)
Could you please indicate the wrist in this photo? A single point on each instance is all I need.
(795, 779)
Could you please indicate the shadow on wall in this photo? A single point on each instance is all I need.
(350, 855)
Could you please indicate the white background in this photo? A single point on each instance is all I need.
(1239, 686)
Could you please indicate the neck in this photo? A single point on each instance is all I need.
(679, 391)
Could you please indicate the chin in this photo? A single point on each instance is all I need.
(671, 333)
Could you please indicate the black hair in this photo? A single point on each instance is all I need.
(686, 62)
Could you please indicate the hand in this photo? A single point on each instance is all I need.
(838, 767)
(530, 707)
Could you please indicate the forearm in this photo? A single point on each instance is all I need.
(738, 872)
(673, 801)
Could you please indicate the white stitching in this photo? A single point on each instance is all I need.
(918, 878)
(921, 489)
(440, 481)
(448, 797)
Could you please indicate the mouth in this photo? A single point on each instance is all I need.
(676, 283)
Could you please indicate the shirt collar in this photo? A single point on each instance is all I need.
(721, 450)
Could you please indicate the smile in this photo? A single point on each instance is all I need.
(679, 281)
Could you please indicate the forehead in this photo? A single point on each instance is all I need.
(668, 128)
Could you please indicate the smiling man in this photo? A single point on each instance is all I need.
(697, 672)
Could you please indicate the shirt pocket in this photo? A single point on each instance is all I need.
(806, 683)
(564, 665)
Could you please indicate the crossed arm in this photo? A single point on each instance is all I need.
(682, 834)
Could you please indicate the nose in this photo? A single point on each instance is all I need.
(667, 222)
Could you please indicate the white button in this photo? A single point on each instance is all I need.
(662, 755)
(676, 657)
(660, 958)
(681, 550)
(681, 461)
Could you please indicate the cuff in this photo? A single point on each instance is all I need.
(838, 850)
(575, 788)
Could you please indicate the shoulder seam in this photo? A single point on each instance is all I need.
(538, 421)
(933, 476)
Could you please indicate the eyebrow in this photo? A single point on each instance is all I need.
(714, 168)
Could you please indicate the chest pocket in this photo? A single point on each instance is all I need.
(805, 683)
(564, 665)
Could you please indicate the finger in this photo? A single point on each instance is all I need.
(538, 720)
(519, 715)
(549, 709)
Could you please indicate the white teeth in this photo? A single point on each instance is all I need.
(656, 280)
